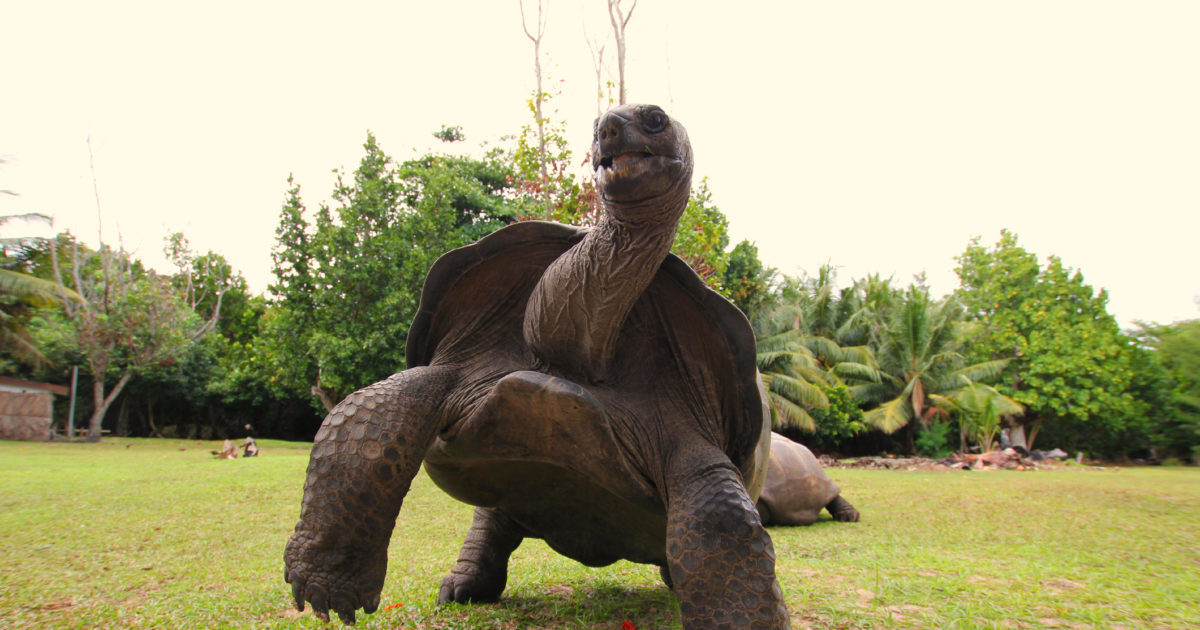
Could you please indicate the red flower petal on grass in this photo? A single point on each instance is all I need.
(628, 625)
(391, 606)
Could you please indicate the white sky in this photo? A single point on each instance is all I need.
(875, 135)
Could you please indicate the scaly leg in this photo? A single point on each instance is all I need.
(363, 460)
(841, 510)
(482, 568)
(720, 557)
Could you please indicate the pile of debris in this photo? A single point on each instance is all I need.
(1007, 459)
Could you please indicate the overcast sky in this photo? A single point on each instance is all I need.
(878, 136)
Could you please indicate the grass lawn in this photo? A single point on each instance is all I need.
(156, 533)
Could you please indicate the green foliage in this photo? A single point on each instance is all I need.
(545, 179)
(746, 280)
(840, 419)
(450, 134)
(1175, 415)
(22, 293)
(800, 371)
(933, 440)
(1068, 361)
(702, 236)
(979, 409)
(348, 284)
(919, 349)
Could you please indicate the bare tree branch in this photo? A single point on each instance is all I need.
(619, 21)
(539, 96)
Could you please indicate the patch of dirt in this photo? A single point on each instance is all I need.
(906, 612)
(58, 604)
(1055, 622)
(1063, 584)
(1007, 459)
(560, 590)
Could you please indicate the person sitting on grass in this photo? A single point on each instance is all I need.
(228, 451)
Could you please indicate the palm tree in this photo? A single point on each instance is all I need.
(979, 408)
(20, 291)
(797, 366)
(917, 347)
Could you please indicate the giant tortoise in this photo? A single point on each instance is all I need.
(797, 488)
(581, 386)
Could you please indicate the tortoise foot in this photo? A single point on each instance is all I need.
(841, 510)
(482, 568)
(341, 579)
(468, 583)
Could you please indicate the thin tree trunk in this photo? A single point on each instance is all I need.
(538, 97)
(324, 396)
(154, 432)
(1033, 431)
(619, 21)
(102, 402)
(123, 418)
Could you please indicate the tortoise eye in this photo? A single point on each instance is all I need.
(655, 121)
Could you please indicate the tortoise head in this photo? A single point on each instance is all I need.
(643, 163)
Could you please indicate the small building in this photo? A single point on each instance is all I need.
(27, 408)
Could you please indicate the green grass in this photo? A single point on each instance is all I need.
(156, 534)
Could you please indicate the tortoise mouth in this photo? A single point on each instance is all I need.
(636, 175)
(623, 160)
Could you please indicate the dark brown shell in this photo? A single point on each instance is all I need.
(473, 304)
(797, 487)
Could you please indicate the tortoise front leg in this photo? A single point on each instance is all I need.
(719, 555)
(841, 510)
(482, 568)
(363, 460)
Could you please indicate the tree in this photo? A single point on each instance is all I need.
(702, 236)
(800, 371)
(22, 292)
(979, 409)
(596, 51)
(539, 96)
(290, 325)
(619, 18)
(747, 281)
(129, 320)
(1175, 427)
(919, 353)
(1068, 362)
(544, 174)
(348, 284)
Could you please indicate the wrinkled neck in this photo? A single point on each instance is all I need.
(577, 309)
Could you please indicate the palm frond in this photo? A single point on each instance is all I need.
(27, 216)
(985, 371)
(858, 354)
(976, 397)
(785, 414)
(796, 390)
(891, 416)
(857, 371)
(944, 402)
(815, 374)
(871, 392)
(31, 289)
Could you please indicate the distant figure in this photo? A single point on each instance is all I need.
(228, 451)
(251, 447)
